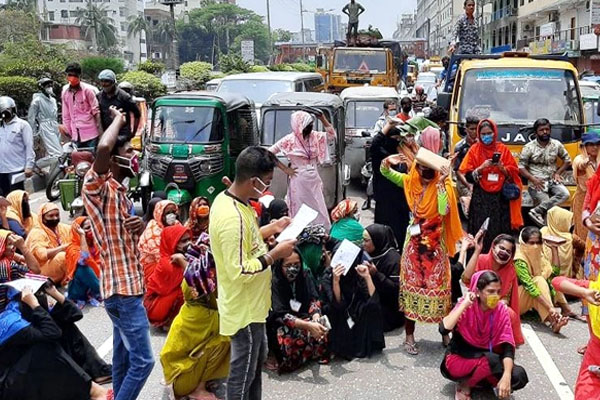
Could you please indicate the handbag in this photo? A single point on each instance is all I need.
(511, 191)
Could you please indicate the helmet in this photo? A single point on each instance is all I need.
(419, 89)
(107, 75)
(7, 103)
(44, 82)
(126, 86)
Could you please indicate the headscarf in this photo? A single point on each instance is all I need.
(425, 205)
(383, 239)
(559, 222)
(479, 153)
(193, 222)
(485, 329)
(150, 209)
(534, 256)
(167, 276)
(73, 254)
(149, 243)
(583, 155)
(63, 232)
(432, 139)
(344, 209)
(11, 321)
(5, 262)
(311, 255)
(593, 186)
(15, 209)
(201, 272)
(314, 146)
(313, 234)
(510, 285)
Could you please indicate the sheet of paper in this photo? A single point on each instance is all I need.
(17, 178)
(19, 284)
(345, 255)
(305, 216)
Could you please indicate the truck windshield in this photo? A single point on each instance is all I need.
(521, 95)
(277, 123)
(365, 61)
(258, 90)
(363, 114)
(181, 124)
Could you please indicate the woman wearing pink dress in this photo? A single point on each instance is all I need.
(306, 149)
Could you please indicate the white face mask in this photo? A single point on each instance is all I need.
(49, 90)
(171, 219)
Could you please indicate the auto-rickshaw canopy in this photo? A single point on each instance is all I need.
(231, 101)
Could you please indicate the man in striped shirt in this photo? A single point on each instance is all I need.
(116, 233)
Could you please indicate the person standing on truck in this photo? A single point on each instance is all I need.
(538, 164)
(353, 11)
(465, 39)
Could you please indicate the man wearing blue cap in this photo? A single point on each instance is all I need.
(112, 95)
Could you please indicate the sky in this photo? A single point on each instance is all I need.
(285, 14)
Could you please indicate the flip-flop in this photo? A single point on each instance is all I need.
(577, 317)
(411, 348)
(581, 350)
(460, 395)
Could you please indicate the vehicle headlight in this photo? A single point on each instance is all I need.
(205, 167)
(82, 168)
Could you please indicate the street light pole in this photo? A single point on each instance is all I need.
(302, 31)
(269, 25)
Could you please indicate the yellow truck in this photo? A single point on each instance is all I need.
(515, 89)
(344, 67)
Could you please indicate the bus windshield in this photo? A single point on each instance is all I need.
(178, 124)
(365, 61)
(521, 95)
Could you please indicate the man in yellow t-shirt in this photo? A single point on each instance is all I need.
(244, 269)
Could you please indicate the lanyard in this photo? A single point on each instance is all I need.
(306, 150)
(416, 203)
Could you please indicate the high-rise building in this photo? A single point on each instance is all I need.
(327, 26)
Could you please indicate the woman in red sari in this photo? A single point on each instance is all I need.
(500, 260)
(164, 297)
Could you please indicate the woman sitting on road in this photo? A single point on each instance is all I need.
(164, 297)
(19, 215)
(48, 241)
(380, 243)
(482, 349)
(198, 219)
(345, 222)
(534, 272)
(500, 260)
(165, 214)
(83, 268)
(195, 352)
(488, 177)
(296, 336)
(33, 362)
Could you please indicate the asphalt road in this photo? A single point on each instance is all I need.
(551, 361)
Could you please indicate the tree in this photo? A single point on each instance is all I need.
(91, 66)
(281, 35)
(94, 20)
(146, 85)
(17, 26)
(137, 25)
(28, 6)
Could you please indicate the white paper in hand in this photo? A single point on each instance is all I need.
(22, 283)
(345, 255)
(305, 216)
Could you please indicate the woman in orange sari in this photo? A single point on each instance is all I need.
(48, 241)
(20, 218)
(83, 269)
(488, 177)
(425, 282)
(165, 214)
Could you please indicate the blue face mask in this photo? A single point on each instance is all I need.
(487, 139)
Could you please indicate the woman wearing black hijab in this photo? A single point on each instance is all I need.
(277, 209)
(380, 243)
(294, 332)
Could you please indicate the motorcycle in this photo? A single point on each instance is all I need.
(70, 185)
(60, 171)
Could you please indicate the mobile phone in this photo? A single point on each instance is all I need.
(496, 158)
(325, 322)
(485, 225)
(554, 239)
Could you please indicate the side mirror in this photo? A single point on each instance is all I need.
(319, 60)
(443, 100)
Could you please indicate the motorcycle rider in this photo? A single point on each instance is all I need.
(16, 148)
(43, 119)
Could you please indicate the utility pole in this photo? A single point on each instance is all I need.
(270, 32)
(302, 31)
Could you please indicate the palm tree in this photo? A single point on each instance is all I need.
(137, 25)
(94, 20)
(166, 33)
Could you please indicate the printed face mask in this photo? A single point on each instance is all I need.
(492, 301)
(292, 271)
(487, 139)
(131, 164)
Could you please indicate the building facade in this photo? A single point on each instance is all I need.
(328, 27)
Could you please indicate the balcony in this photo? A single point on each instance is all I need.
(568, 36)
(505, 12)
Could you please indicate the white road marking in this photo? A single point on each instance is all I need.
(105, 347)
(558, 381)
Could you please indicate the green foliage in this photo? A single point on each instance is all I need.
(17, 26)
(21, 89)
(301, 67)
(94, 19)
(34, 59)
(281, 67)
(233, 62)
(258, 68)
(91, 66)
(198, 71)
(282, 35)
(146, 85)
(151, 67)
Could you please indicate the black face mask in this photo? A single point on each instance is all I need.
(7, 115)
(52, 223)
(25, 209)
(544, 138)
(428, 173)
(406, 109)
(307, 131)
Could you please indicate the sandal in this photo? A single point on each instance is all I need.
(461, 395)
(411, 348)
(582, 349)
(577, 317)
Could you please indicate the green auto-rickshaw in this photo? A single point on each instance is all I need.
(193, 142)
